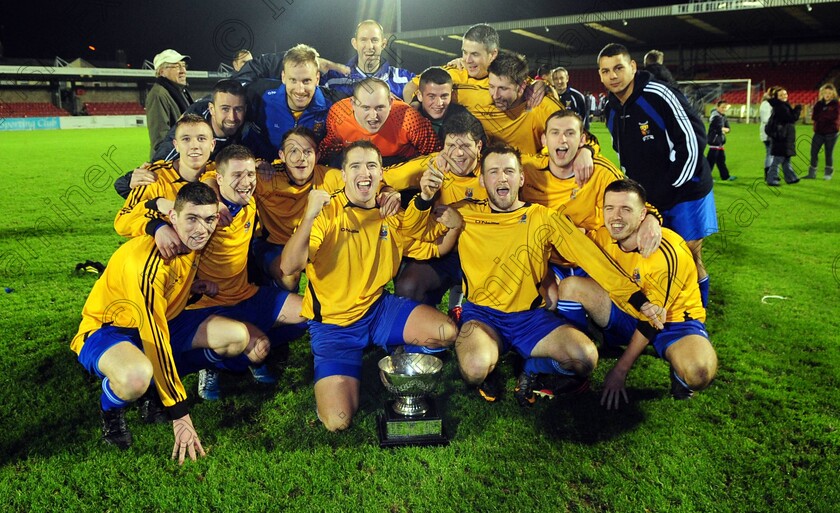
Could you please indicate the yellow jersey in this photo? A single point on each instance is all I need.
(141, 290)
(518, 126)
(454, 188)
(472, 93)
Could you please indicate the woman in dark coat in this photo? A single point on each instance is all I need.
(782, 132)
(826, 118)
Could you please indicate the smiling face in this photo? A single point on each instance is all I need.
(174, 72)
(461, 153)
(194, 224)
(299, 154)
(362, 172)
(237, 180)
(476, 58)
(502, 176)
(563, 138)
(300, 81)
(623, 213)
(368, 43)
(227, 113)
(506, 94)
(435, 98)
(371, 107)
(561, 81)
(617, 74)
(194, 142)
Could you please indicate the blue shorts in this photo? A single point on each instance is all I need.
(564, 271)
(106, 337)
(693, 220)
(519, 330)
(622, 325)
(338, 349)
(261, 310)
(264, 253)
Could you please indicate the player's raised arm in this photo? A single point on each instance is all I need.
(296, 253)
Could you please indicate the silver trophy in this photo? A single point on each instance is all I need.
(412, 418)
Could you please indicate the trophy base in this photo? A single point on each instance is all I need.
(397, 430)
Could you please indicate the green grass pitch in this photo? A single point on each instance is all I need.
(764, 437)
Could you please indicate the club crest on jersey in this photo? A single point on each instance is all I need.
(644, 128)
(574, 193)
(383, 233)
(247, 226)
(523, 219)
(468, 193)
(318, 127)
(637, 276)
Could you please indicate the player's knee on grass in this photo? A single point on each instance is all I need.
(474, 360)
(694, 360)
(234, 339)
(571, 348)
(336, 399)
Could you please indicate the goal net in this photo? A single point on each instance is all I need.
(740, 93)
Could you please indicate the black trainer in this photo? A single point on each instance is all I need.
(554, 384)
(151, 408)
(678, 389)
(490, 389)
(524, 390)
(114, 429)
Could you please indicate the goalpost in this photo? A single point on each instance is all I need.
(738, 92)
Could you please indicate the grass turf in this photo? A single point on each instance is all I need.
(764, 437)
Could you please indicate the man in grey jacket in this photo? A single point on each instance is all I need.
(168, 98)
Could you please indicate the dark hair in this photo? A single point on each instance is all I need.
(484, 34)
(613, 49)
(435, 75)
(301, 131)
(192, 119)
(462, 123)
(195, 193)
(564, 113)
(509, 64)
(232, 152)
(502, 148)
(361, 143)
(627, 185)
(228, 86)
(722, 102)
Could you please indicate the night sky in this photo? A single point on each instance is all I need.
(211, 31)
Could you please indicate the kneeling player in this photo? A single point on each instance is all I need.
(124, 334)
(669, 277)
(350, 253)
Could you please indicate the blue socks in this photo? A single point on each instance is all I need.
(704, 291)
(109, 400)
(544, 365)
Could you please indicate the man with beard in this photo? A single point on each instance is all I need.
(503, 310)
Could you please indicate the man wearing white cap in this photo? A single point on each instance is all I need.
(168, 98)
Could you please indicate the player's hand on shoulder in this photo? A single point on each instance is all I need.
(317, 200)
(225, 218)
(649, 236)
(457, 62)
(534, 93)
(449, 217)
(141, 176)
(168, 242)
(389, 202)
(583, 167)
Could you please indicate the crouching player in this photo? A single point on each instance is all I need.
(350, 253)
(504, 249)
(669, 277)
(124, 334)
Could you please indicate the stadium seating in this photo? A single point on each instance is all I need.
(30, 110)
(115, 108)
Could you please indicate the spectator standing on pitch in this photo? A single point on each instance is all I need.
(764, 112)
(782, 132)
(826, 116)
(718, 128)
(660, 141)
(570, 97)
(168, 98)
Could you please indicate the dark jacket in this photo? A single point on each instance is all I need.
(782, 129)
(574, 100)
(660, 141)
(661, 73)
(270, 111)
(826, 117)
(717, 122)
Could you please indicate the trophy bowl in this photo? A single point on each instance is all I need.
(410, 376)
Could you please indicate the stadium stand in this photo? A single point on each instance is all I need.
(113, 108)
(30, 110)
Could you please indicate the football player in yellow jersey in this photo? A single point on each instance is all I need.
(139, 215)
(350, 253)
(668, 276)
(502, 308)
(124, 335)
(237, 308)
(426, 281)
